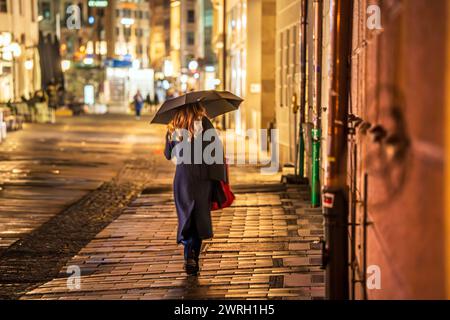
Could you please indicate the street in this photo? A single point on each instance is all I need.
(94, 193)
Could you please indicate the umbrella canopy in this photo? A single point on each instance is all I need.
(216, 103)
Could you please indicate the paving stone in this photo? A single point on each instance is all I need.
(264, 245)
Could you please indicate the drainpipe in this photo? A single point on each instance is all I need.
(224, 56)
(303, 42)
(317, 104)
(335, 193)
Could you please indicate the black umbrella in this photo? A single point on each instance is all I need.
(216, 103)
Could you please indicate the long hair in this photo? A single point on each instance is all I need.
(185, 118)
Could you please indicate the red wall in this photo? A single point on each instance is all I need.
(398, 82)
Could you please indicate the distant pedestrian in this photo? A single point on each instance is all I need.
(138, 104)
(52, 95)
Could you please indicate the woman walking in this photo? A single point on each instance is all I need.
(194, 180)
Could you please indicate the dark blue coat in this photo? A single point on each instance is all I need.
(193, 187)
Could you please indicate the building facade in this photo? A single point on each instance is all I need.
(393, 165)
(159, 37)
(19, 37)
(403, 159)
(250, 62)
(132, 27)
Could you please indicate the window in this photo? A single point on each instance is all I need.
(191, 16)
(190, 38)
(3, 5)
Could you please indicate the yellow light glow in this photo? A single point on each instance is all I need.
(29, 64)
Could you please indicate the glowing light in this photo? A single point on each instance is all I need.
(184, 78)
(88, 61)
(193, 65)
(166, 85)
(168, 68)
(7, 55)
(29, 64)
(127, 22)
(5, 39)
(159, 75)
(65, 65)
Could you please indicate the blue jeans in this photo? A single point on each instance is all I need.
(138, 109)
(194, 243)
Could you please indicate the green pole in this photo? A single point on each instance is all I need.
(315, 179)
(301, 150)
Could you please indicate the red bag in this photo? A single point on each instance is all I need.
(227, 200)
(223, 197)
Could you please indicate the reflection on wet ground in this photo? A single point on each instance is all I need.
(45, 167)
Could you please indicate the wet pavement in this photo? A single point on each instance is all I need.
(121, 233)
(45, 168)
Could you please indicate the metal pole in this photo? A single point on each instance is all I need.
(365, 225)
(224, 56)
(303, 42)
(354, 203)
(336, 189)
(317, 104)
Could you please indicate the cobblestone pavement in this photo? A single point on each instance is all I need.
(122, 231)
(265, 247)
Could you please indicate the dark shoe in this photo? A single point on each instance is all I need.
(191, 267)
